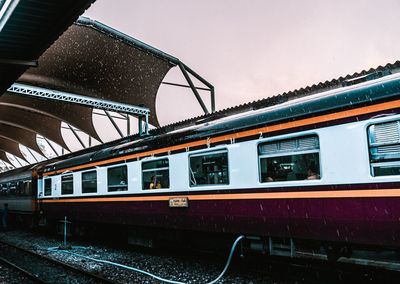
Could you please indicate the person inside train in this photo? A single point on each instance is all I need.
(272, 171)
(312, 172)
(155, 183)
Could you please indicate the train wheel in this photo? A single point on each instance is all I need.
(332, 252)
(335, 251)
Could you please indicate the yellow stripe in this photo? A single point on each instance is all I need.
(266, 129)
(363, 193)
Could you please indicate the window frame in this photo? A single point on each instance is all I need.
(72, 181)
(85, 172)
(44, 186)
(144, 161)
(127, 179)
(285, 154)
(206, 153)
(369, 141)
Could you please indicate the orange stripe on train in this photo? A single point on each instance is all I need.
(242, 196)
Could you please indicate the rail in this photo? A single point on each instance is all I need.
(43, 269)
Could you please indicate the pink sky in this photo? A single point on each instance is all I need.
(254, 49)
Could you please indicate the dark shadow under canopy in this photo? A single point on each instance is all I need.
(30, 29)
(10, 146)
(44, 125)
(20, 135)
(76, 115)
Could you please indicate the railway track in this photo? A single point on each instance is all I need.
(42, 269)
(312, 271)
(252, 268)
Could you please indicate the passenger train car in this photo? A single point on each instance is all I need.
(18, 192)
(323, 169)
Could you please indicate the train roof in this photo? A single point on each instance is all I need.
(367, 89)
(16, 174)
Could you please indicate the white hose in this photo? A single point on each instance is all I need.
(150, 274)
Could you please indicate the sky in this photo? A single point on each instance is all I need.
(252, 49)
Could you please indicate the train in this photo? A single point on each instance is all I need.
(320, 171)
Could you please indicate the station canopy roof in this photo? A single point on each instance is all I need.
(88, 59)
(28, 28)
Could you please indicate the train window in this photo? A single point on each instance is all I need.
(155, 174)
(117, 178)
(20, 188)
(67, 184)
(4, 189)
(209, 168)
(289, 159)
(89, 182)
(47, 187)
(28, 187)
(384, 148)
(12, 186)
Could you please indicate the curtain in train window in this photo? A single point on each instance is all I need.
(67, 184)
(209, 168)
(117, 178)
(89, 182)
(155, 174)
(384, 148)
(290, 159)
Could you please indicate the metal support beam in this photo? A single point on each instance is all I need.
(184, 86)
(205, 82)
(197, 95)
(114, 124)
(146, 129)
(128, 125)
(212, 99)
(43, 93)
(16, 158)
(211, 90)
(51, 146)
(77, 136)
(7, 7)
(140, 124)
(104, 105)
(30, 152)
(28, 63)
(6, 167)
(146, 126)
(113, 116)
